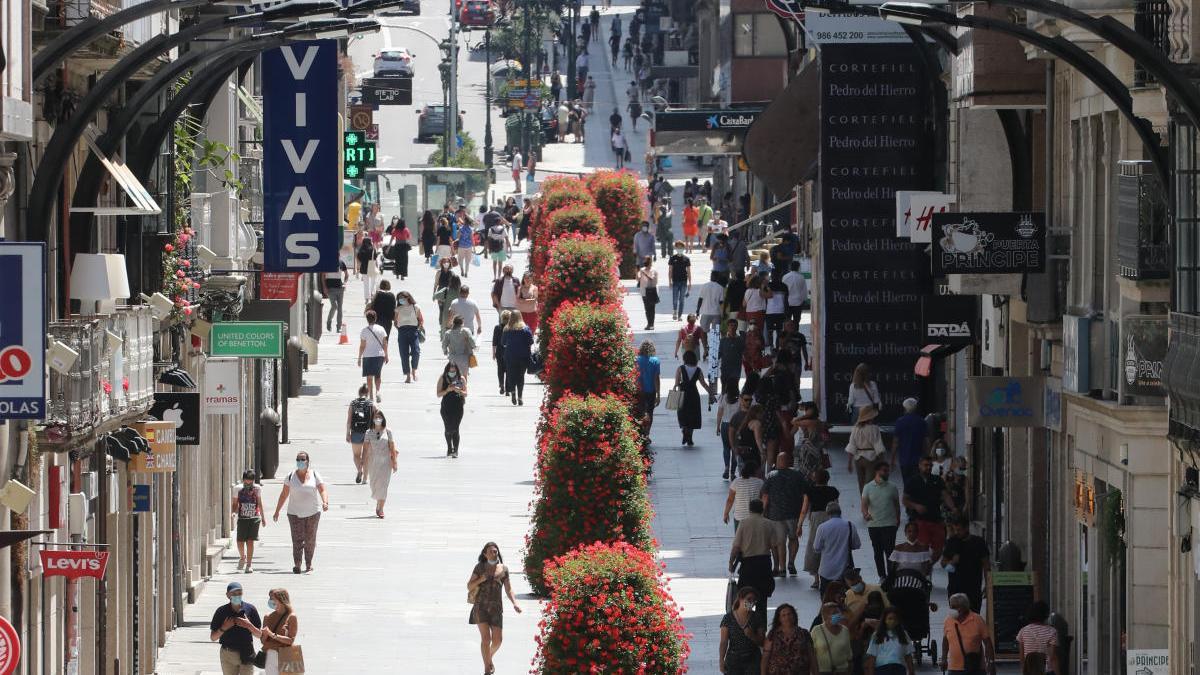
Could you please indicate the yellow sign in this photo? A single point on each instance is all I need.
(161, 458)
(1085, 498)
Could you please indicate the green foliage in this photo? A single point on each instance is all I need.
(509, 40)
(466, 157)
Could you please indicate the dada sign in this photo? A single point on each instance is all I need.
(74, 564)
(301, 185)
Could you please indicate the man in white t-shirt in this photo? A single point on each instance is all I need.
(708, 305)
(504, 291)
(372, 354)
(797, 288)
(465, 307)
(517, 163)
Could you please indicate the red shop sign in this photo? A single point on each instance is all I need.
(278, 286)
(10, 648)
(73, 565)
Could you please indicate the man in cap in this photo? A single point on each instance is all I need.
(230, 626)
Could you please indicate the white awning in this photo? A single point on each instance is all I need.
(142, 203)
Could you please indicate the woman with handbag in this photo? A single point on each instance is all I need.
(452, 390)
(486, 588)
(863, 391)
(410, 333)
(831, 642)
(458, 344)
(382, 456)
(517, 351)
(278, 633)
(647, 283)
(686, 378)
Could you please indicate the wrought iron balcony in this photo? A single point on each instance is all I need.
(1142, 249)
(1150, 20)
(1181, 375)
(75, 400)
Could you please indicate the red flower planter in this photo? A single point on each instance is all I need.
(622, 199)
(582, 268)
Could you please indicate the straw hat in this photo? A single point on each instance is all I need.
(867, 413)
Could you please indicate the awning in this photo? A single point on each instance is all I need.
(782, 145)
(10, 537)
(142, 203)
(929, 353)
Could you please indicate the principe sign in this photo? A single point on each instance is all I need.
(988, 243)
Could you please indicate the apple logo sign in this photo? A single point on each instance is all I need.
(173, 415)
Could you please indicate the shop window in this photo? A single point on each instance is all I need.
(758, 35)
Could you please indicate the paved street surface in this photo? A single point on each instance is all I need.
(390, 596)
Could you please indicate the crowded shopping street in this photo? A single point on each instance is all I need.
(648, 337)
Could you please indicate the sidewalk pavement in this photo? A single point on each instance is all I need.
(389, 596)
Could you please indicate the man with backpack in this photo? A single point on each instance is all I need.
(358, 422)
(499, 243)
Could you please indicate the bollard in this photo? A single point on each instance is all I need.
(315, 308)
(294, 362)
(268, 443)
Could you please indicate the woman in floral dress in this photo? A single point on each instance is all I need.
(485, 590)
(788, 649)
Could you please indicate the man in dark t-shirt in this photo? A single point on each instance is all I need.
(230, 626)
(924, 495)
(966, 558)
(681, 280)
(783, 493)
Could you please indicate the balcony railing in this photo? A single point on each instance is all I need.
(75, 399)
(1181, 375)
(1142, 248)
(1150, 20)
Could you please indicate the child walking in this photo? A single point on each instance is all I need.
(248, 508)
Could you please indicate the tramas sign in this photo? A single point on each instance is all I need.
(301, 185)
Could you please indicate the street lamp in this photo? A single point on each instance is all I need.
(50, 170)
(918, 14)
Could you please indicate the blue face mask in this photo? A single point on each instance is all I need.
(235, 600)
(835, 619)
(301, 464)
(271, 603)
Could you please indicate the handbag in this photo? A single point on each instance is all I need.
(420, 334)
(972, 661)
(472, 362)
(291, 659)
(433, 261)
(674, 399)
(260, 659)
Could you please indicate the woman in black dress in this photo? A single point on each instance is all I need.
(452, 389)
(686, 379)
(486, 588)
(401, 245)
(428, 234)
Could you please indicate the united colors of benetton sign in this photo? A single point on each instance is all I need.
(301, 185)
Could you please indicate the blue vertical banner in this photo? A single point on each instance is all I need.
(301, 146)
(23, 331)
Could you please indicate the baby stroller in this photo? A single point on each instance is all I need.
(908, 591)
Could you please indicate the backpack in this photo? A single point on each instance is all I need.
(360, 415)
(496, 238)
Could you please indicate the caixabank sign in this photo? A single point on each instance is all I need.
(23, 331)
(1005, 402)
(301, 146)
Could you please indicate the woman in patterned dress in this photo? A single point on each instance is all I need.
(486, 588)
(788, 649)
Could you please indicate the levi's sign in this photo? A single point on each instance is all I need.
(301, 185)
(74, 564)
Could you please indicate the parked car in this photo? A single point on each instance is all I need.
(477, 13)
(394, 63)
(432, 122)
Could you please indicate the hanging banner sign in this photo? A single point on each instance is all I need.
(950, 319)
(279, 286)
(904, 213)
(1005, 401)
(74, 564)
(301, 181)
(923, 207)
(1145, 341)
(182, 411)
(10, 647)
(23, 331)
(988, 243)
(222, 387)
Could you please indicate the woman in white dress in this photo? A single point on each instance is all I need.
(381, 459)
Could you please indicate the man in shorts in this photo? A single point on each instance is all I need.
(247, 507)
(783, 495)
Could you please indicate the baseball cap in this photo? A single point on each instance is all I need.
(233, 586)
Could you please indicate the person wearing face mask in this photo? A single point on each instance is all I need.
(967, 560)
(912, 554)
(452, 389)
(857, 591)
(831, 642)
(279, 629)
(248, 508)
(943, 461)
(486, 588)
(230, 626)
(304, 492)
(647, 285)
(643, 243)
(966, 640)
(381, 455)
(410, 331)
(742, 635)
(889, 651)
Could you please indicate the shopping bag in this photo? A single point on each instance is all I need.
(674, 399)
(291, 659)
(476, 261)
(433, 261)
(473, 362)
(731, 593)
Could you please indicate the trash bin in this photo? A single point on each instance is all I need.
(294, 362)
(268, 443)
